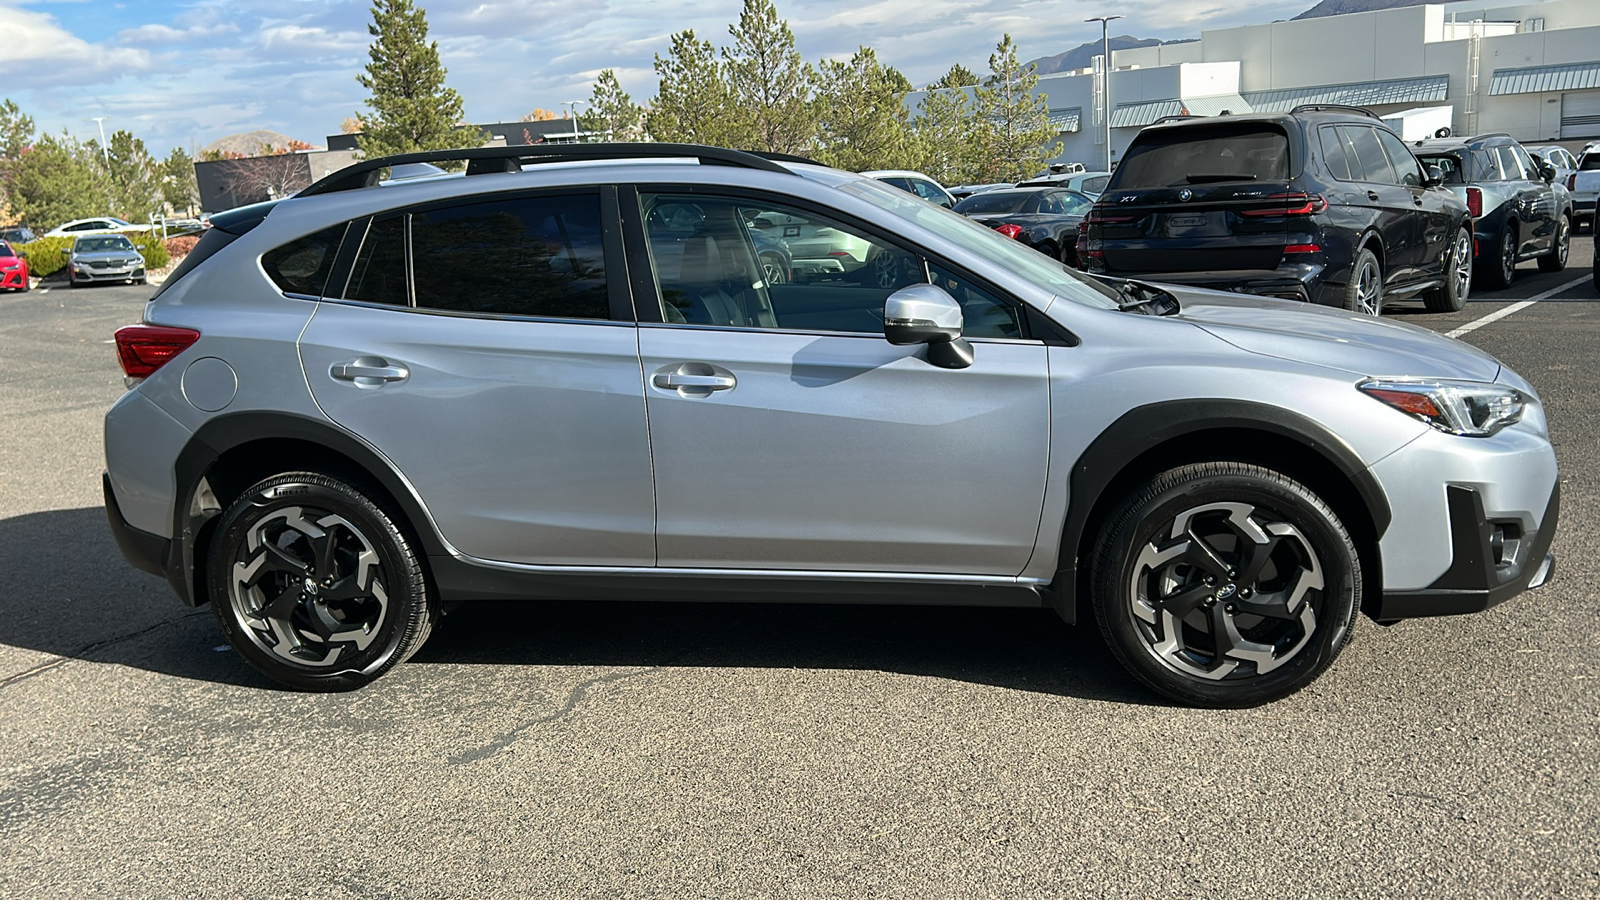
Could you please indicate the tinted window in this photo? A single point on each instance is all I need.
(994, 202)
(533, 256)
(1589, 162)
(1405, 165)
(1096, 184)
(302, 266)
(929, 191)
(1333, 152)
(1449, 166)
(1529, 170)
(1510, 167)
(1366, 156)
(379, 275)
(1204, 154)
(1487, 166)
(982, 313)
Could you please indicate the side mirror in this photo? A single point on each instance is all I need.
(1548, 171)
(1433, 177)
(926, 314)
(66, 251)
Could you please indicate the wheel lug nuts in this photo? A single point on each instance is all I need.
(1246, 593)
(1211, 579)
(1232, 608)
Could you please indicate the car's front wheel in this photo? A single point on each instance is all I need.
(1456, 275)
(1225, 584)
(314, 585)
(1556, 259)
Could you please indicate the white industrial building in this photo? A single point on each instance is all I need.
(1531, 70)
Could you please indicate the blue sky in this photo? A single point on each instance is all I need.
(186, 72)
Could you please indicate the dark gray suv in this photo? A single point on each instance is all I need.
(357, 407)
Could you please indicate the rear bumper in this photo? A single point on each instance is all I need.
(1288, 283)
(144, 551)
(1487, 567)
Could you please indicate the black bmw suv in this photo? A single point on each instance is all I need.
(1322, 204)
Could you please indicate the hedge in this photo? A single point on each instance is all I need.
(44, 255)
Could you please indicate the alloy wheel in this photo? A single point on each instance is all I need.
(1369, 292)
(1563, 241)
(886, 270)
(1461, 258)
(1508, 255)
(1226, 591)
(308, 587)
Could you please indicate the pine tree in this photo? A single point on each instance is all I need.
(57, 180)
(178, 185)
(943, 132)
(771, 85)
(1012, 123)
(16, 135)
(694, 103)
(412, 109)
(862, 120)
(612, 112)
(130, 176)
(958, 76)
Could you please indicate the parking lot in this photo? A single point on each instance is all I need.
(572, 750)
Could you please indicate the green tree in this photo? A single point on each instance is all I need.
(862, 120)
(16, 135)
(694, 101)
(771, 84)
(57, 180)
(1012, 123)
(612, 112)
(179, 188)
(943, 131)
(130, 176)
(412, 109)
(959, 76)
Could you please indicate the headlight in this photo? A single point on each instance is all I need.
(1468, 408)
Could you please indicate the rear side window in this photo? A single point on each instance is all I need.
(1096, 184)
(1333, 152)
(379, 274)
(531, 256)
(301, 266)
(993, 202)
(1205, 154)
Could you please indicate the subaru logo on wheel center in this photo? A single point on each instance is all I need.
(1227, 591)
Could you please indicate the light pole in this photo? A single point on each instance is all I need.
(572, 110)
(1105, 77)
(101, 122)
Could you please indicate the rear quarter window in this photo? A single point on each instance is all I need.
(301, 267)
(1205, 154)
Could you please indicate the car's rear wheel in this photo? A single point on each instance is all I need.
(1363, 293)
(314, 585)
(1225, 584)
(1456, 273)
(1556, 259)
(1500, 268)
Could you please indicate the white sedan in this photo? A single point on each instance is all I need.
(93, 226)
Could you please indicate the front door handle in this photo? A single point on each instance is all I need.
(1373, 196)
(369, 371)
(693, 379)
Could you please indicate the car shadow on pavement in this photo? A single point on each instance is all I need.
(68, 593)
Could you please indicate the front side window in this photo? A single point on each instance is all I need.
(749, 264)
(529, 256)
(1529, 170)
(1510, 166)
(1367, 159)
(1405, 165)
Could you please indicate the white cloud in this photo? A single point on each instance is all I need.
(40, 51)
(165, 34)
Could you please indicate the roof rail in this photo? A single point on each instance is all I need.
(1175, 117)
(485, 160)
(783, 157)
(1341, 107)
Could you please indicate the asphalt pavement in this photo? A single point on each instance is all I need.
(700, 750)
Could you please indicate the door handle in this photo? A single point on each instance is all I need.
(369, 371)
(693, 379)
(1373, 196)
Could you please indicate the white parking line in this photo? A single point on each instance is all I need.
(1499, 314)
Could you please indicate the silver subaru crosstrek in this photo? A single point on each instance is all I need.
(565, 373)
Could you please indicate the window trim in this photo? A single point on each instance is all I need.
(646, 286)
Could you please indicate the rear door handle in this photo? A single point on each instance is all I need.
(369, 371)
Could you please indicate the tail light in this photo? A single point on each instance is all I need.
(1009, 230)
(1099, 216)
(142, 349)
(1294, 204)
(1572, 181)
(1475, 202)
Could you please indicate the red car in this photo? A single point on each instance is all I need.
(13, 269)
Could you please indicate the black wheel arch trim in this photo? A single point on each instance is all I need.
(220, 435)
(1146, 427)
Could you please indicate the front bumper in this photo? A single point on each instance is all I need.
(84, 276)
(1491, 561)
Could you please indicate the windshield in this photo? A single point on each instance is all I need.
(986, 244)
(101, 244)
(994, 202)
(5, 249)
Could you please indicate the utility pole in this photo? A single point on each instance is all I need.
(1105, 76)
(104, 153)
(572, 110)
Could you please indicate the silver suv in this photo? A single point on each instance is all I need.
(357, 407)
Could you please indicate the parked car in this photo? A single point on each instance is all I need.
(103, 257)
(355, 408)
(1090, 184)
(1044, 218)
(93, 226)
(1322, 204)
(16, 234)
(13, 269)
(1563, 160)
(914, 183)
(1584, 186)
(1597, 265)
(963, 191)
(1518, 211)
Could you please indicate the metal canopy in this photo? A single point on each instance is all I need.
(1425, 89)
(1138, 115)
(1067, 120)
(1538, 79)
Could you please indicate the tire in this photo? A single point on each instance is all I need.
(141, 281)
(772, 269)
(1456, 269)
(310, 630)
(1498, 269)
(1363, 291)
(1049, 248)
(1556, 260)
(72, 282)
(25, 286)
(1309, 569)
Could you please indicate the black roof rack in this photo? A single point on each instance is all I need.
(1340, 107)
(486, 160)
(784, 157)
(1175, 117)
